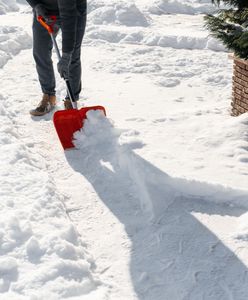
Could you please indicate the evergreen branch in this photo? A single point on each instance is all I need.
(239, 4)
(233, 36)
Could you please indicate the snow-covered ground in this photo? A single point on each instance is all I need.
(153, 203)
(7, 6)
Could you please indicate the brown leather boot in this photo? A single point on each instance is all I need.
(67, 104)
(46, 105)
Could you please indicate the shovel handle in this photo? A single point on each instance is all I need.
(48, 27)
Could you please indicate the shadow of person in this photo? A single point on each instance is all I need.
(173, 255)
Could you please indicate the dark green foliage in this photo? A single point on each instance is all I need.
(240, 4)
(231, 26)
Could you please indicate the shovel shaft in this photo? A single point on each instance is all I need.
(70, 93)
(67, 82)
(56, 48)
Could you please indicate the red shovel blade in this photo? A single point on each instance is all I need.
(67, 122)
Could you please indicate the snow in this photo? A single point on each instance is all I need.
(36, 234)
(143, 30)
(119, 13)
(181, 7)
(153, 203)
(7, 6)
(12, 40)
(99, 133)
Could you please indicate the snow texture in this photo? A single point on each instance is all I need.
(36, 235)
(181, 7)
(129, 15)
(7, 6)
(12, 41)
(155, 211)
(119, 13)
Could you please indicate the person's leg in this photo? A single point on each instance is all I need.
(42, 52)
(75, 70)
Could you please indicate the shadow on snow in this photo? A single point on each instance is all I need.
(173, 255)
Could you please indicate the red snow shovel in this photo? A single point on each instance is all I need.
(67, 122)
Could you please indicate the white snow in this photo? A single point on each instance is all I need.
(12, 40)
(7, 6)
(152, 204)
(189, 7)
(119, 13)
(36, 235)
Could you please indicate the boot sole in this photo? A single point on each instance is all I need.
(39, 114)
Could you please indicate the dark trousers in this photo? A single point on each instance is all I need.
(42, 52)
